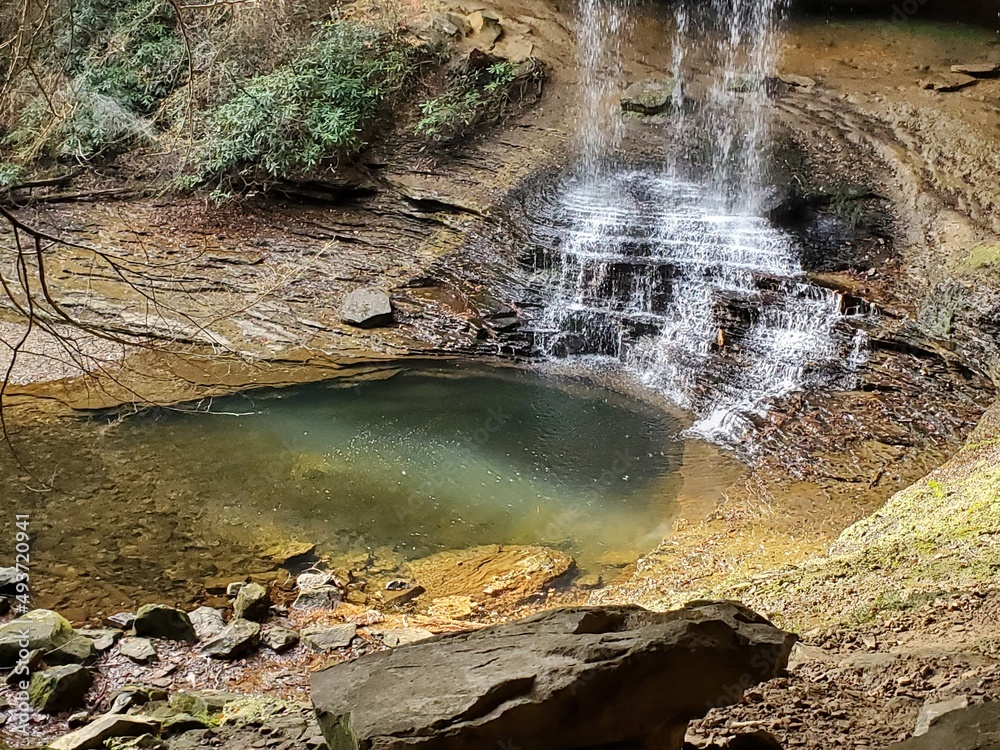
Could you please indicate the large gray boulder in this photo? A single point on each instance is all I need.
(366, 308)
(563, 680)
(649, 97)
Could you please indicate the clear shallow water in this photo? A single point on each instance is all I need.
(440, 457)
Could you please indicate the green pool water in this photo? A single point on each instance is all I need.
(410, 460)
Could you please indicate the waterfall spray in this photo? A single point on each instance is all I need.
(740, 39)
(680, 282)
(599, 63)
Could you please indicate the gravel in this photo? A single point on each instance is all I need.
(44, 357)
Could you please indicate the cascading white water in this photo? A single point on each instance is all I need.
(681, 282)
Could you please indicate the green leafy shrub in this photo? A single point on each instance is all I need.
(471, 98)
(10, 174)
(317, 107)
(113, 63)
(131, 52)
(87, 124)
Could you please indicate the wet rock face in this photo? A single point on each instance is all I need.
(627, 677)
(649, 97)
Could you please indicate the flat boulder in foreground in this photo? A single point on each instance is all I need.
(566, 679)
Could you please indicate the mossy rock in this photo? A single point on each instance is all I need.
(649, 97)
(59, 688)
(984, 255)
(41, 629)
(257, 709)
(203, 702)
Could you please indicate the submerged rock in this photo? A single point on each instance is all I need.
(649, 97)
(160, 621)
(40, 629)
(252, 603)
(366, 308)
(239, 638)
(399, 597)
(59, 688)
(625, 675)
(489, 572)
(291, 553)
(219, 585)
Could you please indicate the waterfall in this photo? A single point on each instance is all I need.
(746, 48)
(679, 281)
(599, 64)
